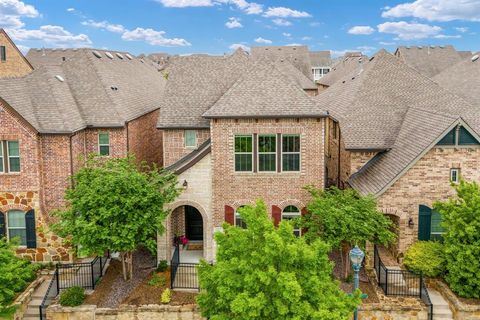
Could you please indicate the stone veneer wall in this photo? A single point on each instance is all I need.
(426, 182)
(15, 66)
(280, 189)
(174, 144)
(460, 310)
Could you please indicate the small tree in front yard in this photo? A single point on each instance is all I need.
(114, 205)
(461, 220)
(263, 272)
(344, 218)
(15, 273)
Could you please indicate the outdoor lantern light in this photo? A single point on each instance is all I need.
(356, 257)
(410, 222)
(185, 184)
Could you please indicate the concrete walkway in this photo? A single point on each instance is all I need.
(33, 311)
(441, 310)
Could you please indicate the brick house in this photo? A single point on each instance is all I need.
(255, 133)
(12, 61)
(404, 139)
(75, 102)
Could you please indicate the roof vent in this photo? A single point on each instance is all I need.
(433, 47)
(114, 88)
(119, 55)
(108, 54)
(128, 56)
(419, 47)
(442, 47)
(96, 54)
(407, 47)
(59, 78)
(475, 58)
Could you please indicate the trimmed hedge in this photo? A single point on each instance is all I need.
(72, 297)
(427, 257)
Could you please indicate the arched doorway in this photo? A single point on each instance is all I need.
(193, 224)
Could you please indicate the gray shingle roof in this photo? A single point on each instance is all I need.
(99, 92)
(343, 67)
(264, 91)
(299, 56)
(320, 58)
(429, 60)
(192, 158)
(462, 79)
(392, 107)
(194, 84)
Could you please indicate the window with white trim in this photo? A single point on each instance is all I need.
(3, 53)
(9, 156)
(267, 153)
(292, 213)
(455, 175)
(238, 219)
(244, 153)
(319, 72)
(190, 138)
(104, 143)
(291, 152)
(16, 226)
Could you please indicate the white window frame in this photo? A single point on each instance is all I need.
(104, 145)
(318, 72)
(299, 152)
(293, 215)
(455, 171)
(274, 153)
(8, 228)
(13, 157)
(250, 153)
(185, 139)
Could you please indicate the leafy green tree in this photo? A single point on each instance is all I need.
(344, 218)
(15, 273)
(263, 272)
(115, 205)
(461, 220)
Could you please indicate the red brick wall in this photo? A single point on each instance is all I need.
(174, 144)
(118, 141)
(280, 189)
(145, 140)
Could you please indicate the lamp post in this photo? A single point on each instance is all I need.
(356, 257)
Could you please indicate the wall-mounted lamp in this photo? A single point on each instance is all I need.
(185, 184)
(410, 222)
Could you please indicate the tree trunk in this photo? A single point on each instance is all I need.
(127, 265)
(124, 269)
(346, 260)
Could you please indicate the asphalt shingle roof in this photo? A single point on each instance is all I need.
(99, 92)
(298, 56)
(320, 58)
(342, 68)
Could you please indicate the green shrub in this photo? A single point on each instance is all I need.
(72, 297)
(157, 281)
(427, 257)
(162, 266)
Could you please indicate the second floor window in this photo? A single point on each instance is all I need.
(104, 144)
(244, 153)
(190, 138)
(3, 53)
(291, 152)
(267, 152)
(319, 72)
(9, 156)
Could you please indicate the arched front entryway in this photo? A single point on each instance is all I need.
(193, 224)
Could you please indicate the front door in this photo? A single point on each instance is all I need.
(193, 223)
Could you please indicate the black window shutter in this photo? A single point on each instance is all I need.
(2, 225)
(30, 224)
(424, 223)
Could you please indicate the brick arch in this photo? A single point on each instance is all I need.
(238, 203)
(14, 206)
(190, 203)
(291, 202)
(393, 212)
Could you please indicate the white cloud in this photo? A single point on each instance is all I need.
(445, 36)
(283, 12)
(366, 49)
(70, 9)
(281, 22)
(409, 31)
(53, 35)
(286, 34)
(247, 7)
(361, 30)
(461, 29)
(315, 24)
(22, 48)
(105, 25)
(263, 41)
(294, 45)
(235, 46)
(12, 11)
(186, 3)
(233, 23)
(153, 37)
(306, 38)
(383, 43)
(436, 10)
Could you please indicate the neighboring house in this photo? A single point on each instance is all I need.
(255, 133)
(12, 61)
(405, 139)
(430, 60)
(321, 63)
(75, 102)
(346, 65)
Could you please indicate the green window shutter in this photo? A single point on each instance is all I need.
(424, 223)
(449, 139)
(466, 138)
(2, 224)
(30, 224)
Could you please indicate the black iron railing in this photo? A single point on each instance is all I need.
(49, 296)
(183, 275)
(396, 282)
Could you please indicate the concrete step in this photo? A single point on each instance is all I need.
(32, 312)
(35, 302)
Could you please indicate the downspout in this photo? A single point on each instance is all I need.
(339, 156)
(128, 139)
(71, 155)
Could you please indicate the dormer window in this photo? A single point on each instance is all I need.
(319, 72)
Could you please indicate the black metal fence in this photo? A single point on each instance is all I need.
(396, 282)
(183, 275)
(85, 275)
